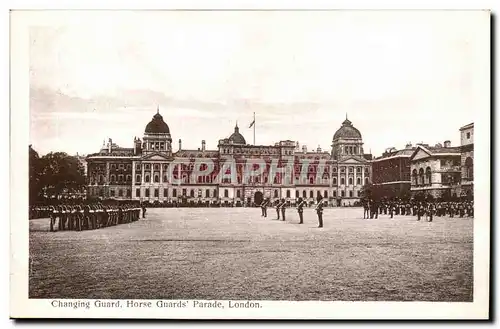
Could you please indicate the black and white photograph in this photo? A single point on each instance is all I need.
(250, 164)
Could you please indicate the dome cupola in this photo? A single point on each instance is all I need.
(236, 137)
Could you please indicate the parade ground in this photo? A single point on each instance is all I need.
(234, 253)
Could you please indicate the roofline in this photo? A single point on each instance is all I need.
(470, 125)
(392, 157)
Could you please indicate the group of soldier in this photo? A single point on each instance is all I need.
(93, 216)
(281, 206)
(427, 209)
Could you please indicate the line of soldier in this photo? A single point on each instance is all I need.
(282, 205)
(373, 208)
(93, 216)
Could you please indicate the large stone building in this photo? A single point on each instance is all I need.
(436, 171)
(445, 171)
(151, 171)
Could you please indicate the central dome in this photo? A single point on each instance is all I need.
(347, 131)
(236, 137)
(157, 126)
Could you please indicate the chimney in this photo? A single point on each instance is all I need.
(304, 148)
(180, 144)
(447, 143)
(203, 145)
(318, 149)
(408, 145)
(109, 145)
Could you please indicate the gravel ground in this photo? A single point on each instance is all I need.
(233, 253)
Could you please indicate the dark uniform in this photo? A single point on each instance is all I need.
(431, 210)
(263, 207)
(319, 211)
(300, 210)
(283, 208)
(143, 210)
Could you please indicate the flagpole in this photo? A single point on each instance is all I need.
(253, 128)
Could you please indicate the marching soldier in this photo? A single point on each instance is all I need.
(420, 211)
(53, 216)
(283, 208)
(319, 212)
(263, 207)
(143, 210)
(431, 210)
(366, 209)
(300, 210)
(278, 209)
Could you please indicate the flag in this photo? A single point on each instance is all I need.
(253, 122)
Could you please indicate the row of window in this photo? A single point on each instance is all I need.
(213, 193)
(312, 168)
(121, 166)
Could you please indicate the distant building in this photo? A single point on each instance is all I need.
(436, 171)
(391, 173)
(467, 160)
(151, 171)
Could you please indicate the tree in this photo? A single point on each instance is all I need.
(61, 172)
(35, 170)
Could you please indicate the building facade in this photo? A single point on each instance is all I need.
(151, 171)
(435, 171)
(392, 173)
(467, 160)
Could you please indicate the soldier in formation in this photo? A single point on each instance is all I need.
(300, 210)
(420, 209)
(263, 207)
(91, 216)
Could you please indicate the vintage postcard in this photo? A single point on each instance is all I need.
(250, 164)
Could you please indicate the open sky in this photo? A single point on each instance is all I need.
(401, 76)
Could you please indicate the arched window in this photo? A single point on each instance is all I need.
(469, 168)
(146, 178)
(304, 194)
(157, 179)
(350, 180)
(311, 180)
(238, 195)
(414, 177)
(287, 193)
(334, 194)
(366, 180)
(342, 193)
(275, 193)
(428, 175)
(326, 194)
(358, 181)
(342, 181)
(350, 194)
(297, 194)
(311, 194)
(137, 178)
(129, 178)
(112, 178)
(421, 176)
(334, 180)
(207, 193)
(120, 193)
(191, 193)
(226, 193)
